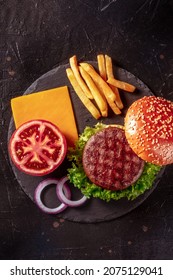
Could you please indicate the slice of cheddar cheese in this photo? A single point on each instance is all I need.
(53, 105)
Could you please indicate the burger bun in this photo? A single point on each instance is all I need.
(149, 129)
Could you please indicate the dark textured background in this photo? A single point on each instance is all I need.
(36, 36)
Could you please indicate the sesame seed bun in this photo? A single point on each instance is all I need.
(149, 129)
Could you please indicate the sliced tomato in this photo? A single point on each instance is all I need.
(37, 147)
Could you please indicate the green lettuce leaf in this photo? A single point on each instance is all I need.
(78, 177)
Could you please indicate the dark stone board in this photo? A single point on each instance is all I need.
(103, 211)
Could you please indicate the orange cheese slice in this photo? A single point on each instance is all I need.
(53, 105)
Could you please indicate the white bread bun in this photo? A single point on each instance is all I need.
(149, 129)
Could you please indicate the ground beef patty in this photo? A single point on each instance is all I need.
(108, 160)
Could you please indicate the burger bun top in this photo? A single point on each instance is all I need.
(149, 129)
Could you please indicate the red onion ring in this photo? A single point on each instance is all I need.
(39, 190)
(63, 198)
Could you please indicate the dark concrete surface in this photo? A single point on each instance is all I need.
(37, 36)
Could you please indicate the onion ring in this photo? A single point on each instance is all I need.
(63, 198)
(40, 204)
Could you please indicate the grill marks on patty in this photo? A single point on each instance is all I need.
(109, 162)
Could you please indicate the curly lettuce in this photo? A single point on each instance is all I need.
(78, 177)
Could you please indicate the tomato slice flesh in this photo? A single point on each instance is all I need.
(38, 147)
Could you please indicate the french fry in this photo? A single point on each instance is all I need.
(109, 72)
(99, 99)
(102, 85)
(109, 68)
(75, 69)
(122, 85)
(114, 107)
(101, 66)
(85, 100)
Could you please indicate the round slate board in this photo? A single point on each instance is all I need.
(94, 210)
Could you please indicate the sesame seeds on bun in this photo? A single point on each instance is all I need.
(149, 129)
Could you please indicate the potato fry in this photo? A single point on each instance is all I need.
(122, 85)
(101, 66)
(99, 99)
(102, 86)
(109, 72)
(118, 101)
(85, 100)
(75, 69)
(114, 107)
(109, 67)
